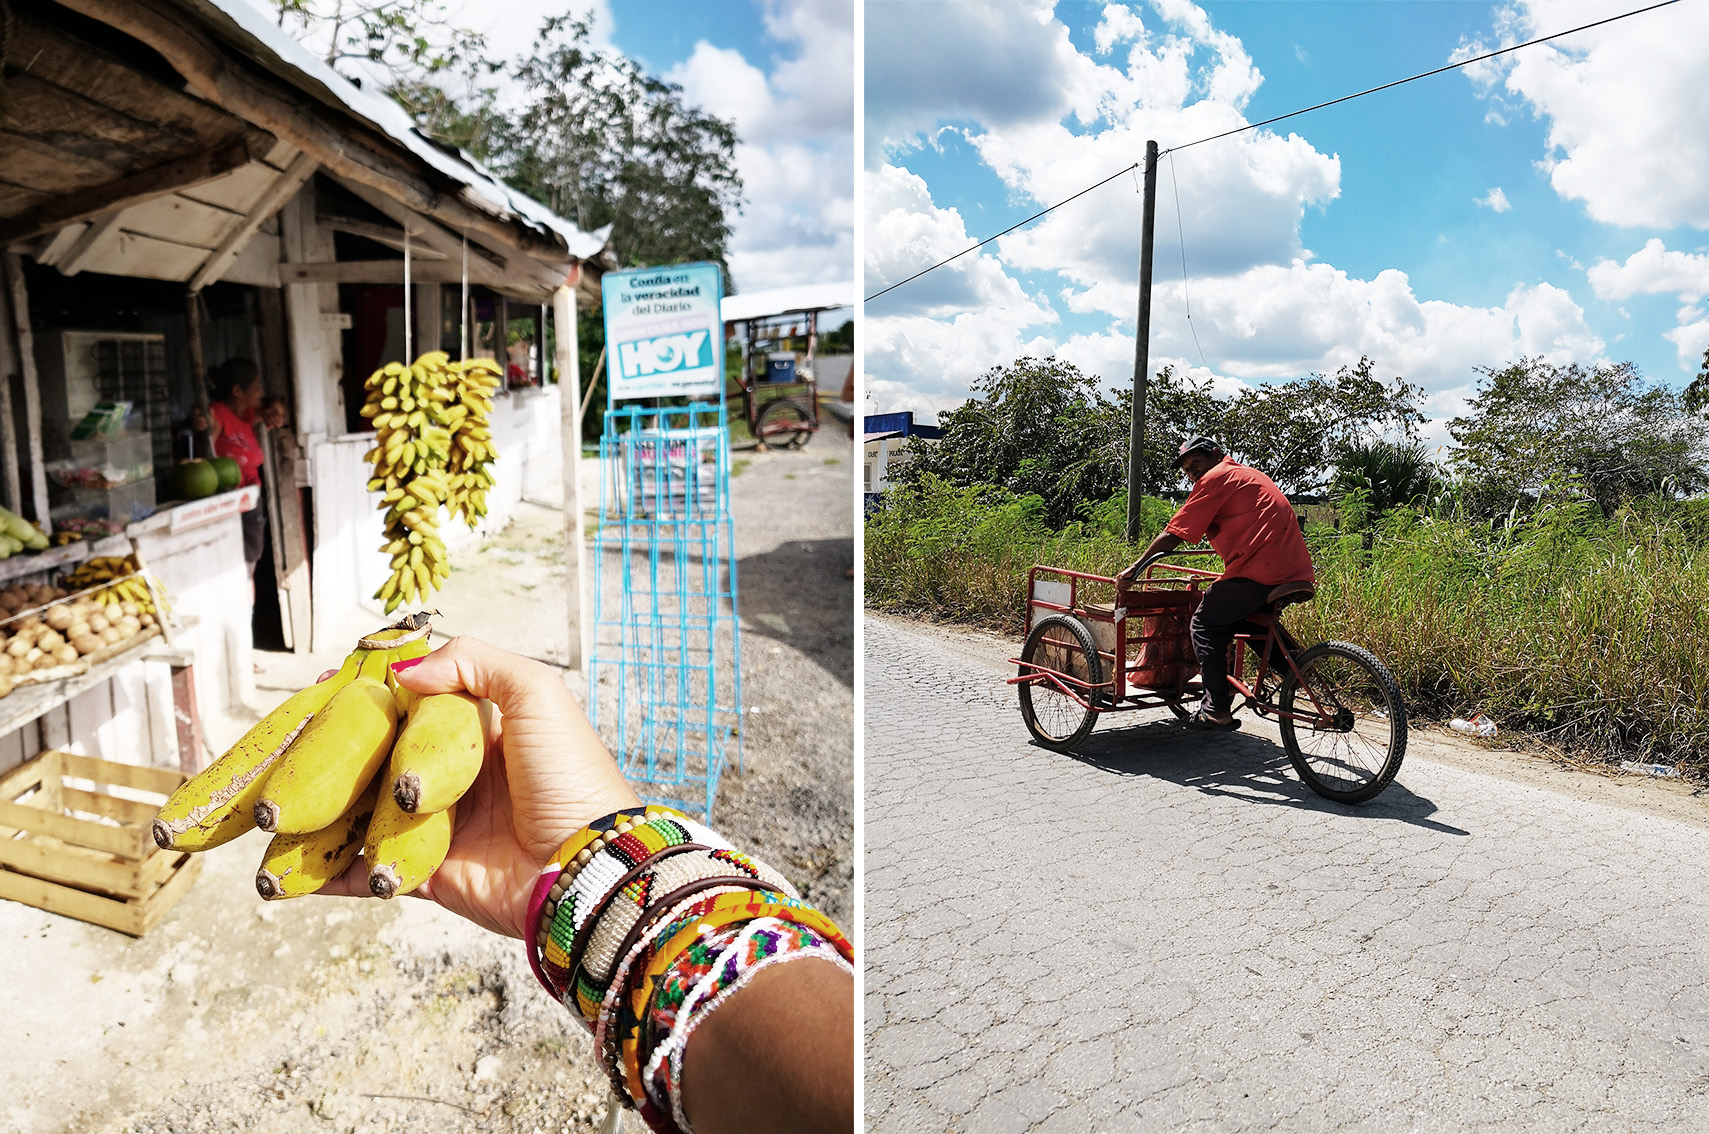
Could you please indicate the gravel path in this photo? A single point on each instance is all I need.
(1167, 930)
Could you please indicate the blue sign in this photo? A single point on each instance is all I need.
(663, 334)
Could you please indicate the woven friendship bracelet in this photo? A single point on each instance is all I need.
(727, 909)
(743, 952)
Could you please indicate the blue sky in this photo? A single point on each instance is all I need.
(1374, 227)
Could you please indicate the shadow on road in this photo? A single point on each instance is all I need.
(1238, 765)
(797, 594)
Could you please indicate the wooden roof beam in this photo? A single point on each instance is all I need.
(435, 237)
(392, 272)
(283, 189)
(95, 239)
(88, 203)
(382, 234)
(359, 157)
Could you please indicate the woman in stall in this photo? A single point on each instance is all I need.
(237, 398)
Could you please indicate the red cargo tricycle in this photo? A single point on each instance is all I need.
(1340, 712)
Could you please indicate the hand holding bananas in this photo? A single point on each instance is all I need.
(322, 772)
(547, 774)
(432, 446)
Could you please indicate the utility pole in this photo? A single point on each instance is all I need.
(1141, 346)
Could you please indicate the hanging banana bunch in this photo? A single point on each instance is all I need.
(410, 407)
(472, 449)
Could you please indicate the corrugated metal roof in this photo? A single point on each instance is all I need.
(785, 300)
(246, 27)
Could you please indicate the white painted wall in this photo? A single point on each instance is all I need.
(348, 563)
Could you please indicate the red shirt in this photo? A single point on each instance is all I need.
(1249, 522)
(237, 441)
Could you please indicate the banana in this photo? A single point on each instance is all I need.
(329, 765)
(402, 850)
(301, 864)
(218, 804)
(438, 753)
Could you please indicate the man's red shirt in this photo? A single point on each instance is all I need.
(1249, 522)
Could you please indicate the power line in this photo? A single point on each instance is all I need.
(1425, 74)
(1005, 232)
(1181, 232)
(1268, 121)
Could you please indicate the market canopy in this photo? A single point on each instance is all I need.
(157, 138)
(794, 299)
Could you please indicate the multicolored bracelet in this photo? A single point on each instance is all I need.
(643, 923)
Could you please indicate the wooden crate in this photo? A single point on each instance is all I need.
(87, 854)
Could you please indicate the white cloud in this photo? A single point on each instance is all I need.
(1691, 338)
(1625, 106)
(1652, 270)
(995, 63)
(796, 155)
(1495, 200)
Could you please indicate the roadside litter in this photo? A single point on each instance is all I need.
(1660, 771)
(1479, 725)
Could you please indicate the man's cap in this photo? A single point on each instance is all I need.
(1197, 445)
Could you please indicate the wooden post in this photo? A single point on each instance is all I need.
(198, 365)
(569, 401)
(501, 336)
(1141, 349)
(10, 485)
(26, 347)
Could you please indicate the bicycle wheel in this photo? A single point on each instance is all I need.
(1356, 757)
(785, 425)
(1060, 643)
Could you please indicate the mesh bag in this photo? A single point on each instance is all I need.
(1163, 653)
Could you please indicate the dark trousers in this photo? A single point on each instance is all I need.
(1226, 605)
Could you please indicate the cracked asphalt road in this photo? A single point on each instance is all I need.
(1168, 931)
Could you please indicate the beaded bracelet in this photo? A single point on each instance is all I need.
(742, 953)
(646, 892)
(587, 867)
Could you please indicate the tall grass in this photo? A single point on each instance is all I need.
(1587, 631)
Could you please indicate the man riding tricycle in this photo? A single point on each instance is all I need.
(1190, 639)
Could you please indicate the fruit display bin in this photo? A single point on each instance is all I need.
(120, 504)
(70, 847)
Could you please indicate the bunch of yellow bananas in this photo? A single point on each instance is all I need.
(126, 584)
(332, 772)
(412, 414)
(472, 449)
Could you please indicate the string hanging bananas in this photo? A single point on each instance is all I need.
(412, 411)
(353, 763)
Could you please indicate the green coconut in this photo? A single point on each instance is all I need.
(194, 480)
(229, 472)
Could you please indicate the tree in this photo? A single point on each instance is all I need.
(407, 39)
(1387, 474)
(600, 141)
(1036, 426)
(1604, 429)
(1697, 393)
(1293, 431)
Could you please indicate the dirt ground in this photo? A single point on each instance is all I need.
(357, 1017)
